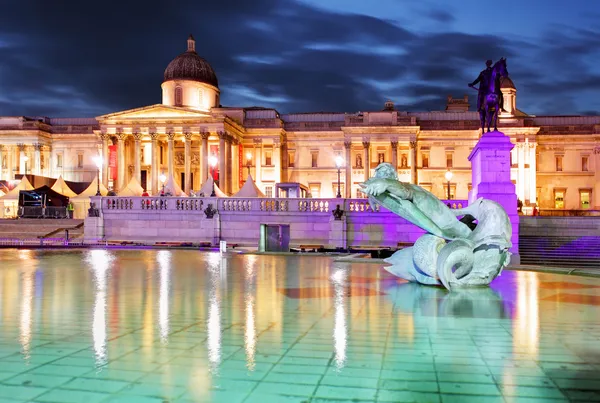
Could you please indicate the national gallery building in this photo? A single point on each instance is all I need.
(189, 136)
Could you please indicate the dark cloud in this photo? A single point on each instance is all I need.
(86, 59)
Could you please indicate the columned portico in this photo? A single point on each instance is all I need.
(367, 150)
(37, 168)
(188, 162)
(222, 161)
(121, 160)
(277, 157)
(171, 154)
(154, 162)
(3, 163)
(137, 169)
(532, 173)
(413, 162)
(204, 160)
(521, 171)
(104, 137)
(394, 144)
(258, 161)
(348, 162)
(228, 165)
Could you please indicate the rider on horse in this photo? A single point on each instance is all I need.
(484, 80)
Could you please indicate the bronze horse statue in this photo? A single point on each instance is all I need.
(489, 94)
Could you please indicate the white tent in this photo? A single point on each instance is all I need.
(133, 188)
(249, 189)
(9, 203)
(81, 202)
(208, 187)
(1, 193)
(61, 187)
(174, 188)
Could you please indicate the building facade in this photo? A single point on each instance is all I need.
(555, 163)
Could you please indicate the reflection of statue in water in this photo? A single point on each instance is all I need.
(489, 97)
(476, 256)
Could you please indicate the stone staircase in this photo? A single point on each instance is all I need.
(25, 228)
(560, 251)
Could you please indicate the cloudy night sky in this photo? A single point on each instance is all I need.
(85, 59)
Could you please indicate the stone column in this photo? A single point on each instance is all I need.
(188, 162)
(222, 161)
(413, 162)
(3, 163)
(258, 161)
(204, 170)
(154, 162)
(37, 166)
(277, 157)
(595, 204)
(229, 164)
(137, 168)
(533, 173)
(521, 171)
(235, 165)
(171, 155)
(284, 160)
(21, 159)
(10, 163)
(394, 144)
(121, 160)
(348, 180)
(104, 137)
(367, 159)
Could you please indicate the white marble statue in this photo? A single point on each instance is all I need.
(451, 253)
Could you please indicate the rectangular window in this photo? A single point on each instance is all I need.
(161, 154)
(584, 199)
(314, 156)
(79, 160)
(59, 161)
(559, 163)
(269, 191)
(584, 163)
(335, 189)
(315, 190)
(291, 159)
(268, 158)
(425, 160)
(449, 160)
(559, 198)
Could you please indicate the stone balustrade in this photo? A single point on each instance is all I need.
(238, 220)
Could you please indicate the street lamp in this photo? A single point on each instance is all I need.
(339, 161)
(163, 179)
(98, 161)
(248, 161)
(213, 161)
(25, 159)
(448, 178)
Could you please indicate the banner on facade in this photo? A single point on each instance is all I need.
(112, 162)
(214, 152)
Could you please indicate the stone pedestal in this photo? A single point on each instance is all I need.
(93, 229)
(337, 233)
(490, 167)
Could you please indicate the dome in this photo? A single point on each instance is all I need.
(508, 83)
(190, 66)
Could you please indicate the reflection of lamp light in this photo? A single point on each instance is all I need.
(340, 331)
(213, 161)
(448, 176)
(163, 179)
(339, 162)
(164, 264)
(213, 323)
(250, 331)
(98, 161)
(26, 312)
(100, 262)
(248, 161)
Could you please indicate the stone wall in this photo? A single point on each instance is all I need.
(559, 226)
(238, 220)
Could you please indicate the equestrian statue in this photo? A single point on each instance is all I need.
(489, 97)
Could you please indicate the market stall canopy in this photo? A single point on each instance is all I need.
(208, 186)
(133, 188)
(61, 187)
(249, 189)
(43, 196)
(174, 188)
(14, 194)
(91, 190)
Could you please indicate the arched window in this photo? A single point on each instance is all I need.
(178, 96)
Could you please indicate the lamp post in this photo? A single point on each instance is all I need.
(248, 161)
(98, 161)
(25, 159)
(213, 161)
(163, 179)
(448, 178)
(339, 161)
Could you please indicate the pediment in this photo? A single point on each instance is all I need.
(157, 111)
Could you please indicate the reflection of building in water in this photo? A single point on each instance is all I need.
(340, 327)
(250, 323)
(526, 325)
(164, 267)
(100, 262)
(216, 266)
(28, 285)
